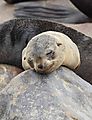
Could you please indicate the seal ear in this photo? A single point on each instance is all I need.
(59, 44)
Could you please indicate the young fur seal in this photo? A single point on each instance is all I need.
(49, 50)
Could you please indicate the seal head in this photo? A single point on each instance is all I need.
(48, 51)
(42, 53)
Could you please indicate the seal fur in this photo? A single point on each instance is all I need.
(49, 50)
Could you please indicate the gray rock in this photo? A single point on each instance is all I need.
(7, 72)
(61, 95)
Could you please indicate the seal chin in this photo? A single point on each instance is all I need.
(41, 72)
(45, 70)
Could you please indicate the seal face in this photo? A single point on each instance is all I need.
(48, 51)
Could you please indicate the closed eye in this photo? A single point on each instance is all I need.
(50, 54)
(59, 44)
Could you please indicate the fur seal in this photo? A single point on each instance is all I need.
(60, 11)
(84, 5)
(15, 35)
(49, 50)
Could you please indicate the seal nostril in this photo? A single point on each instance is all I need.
(40, 66)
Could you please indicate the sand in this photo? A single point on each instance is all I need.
(6, 11)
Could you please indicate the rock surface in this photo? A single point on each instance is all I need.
(7, 72)
(61, 95)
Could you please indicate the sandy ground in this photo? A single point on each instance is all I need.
(8, 10)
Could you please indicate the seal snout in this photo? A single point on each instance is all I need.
(40, 66)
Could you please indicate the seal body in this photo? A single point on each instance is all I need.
(84, 5)
(49, 50)
(15, 35)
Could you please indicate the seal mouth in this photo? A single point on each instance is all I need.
(47, 70)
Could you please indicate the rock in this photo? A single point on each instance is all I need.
(61, 95)
(7, 72)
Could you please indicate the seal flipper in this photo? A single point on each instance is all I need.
(49, 11)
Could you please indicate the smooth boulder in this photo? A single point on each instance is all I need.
(61, 95)
(7, 72)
